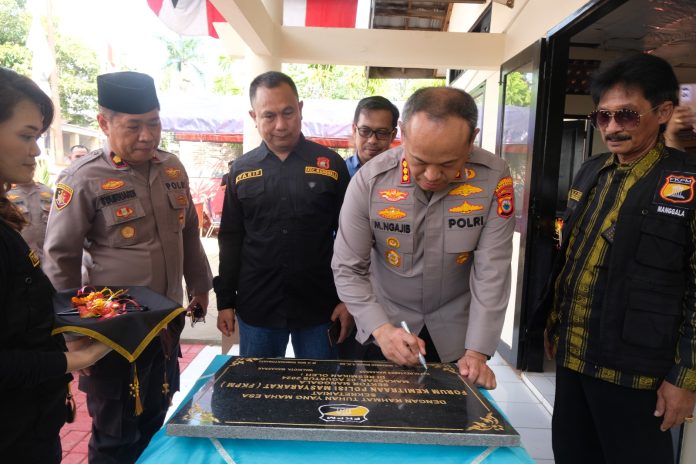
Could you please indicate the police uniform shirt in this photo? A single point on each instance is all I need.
(34, 201)
(442, 262)
(276, 236)
(141, 223)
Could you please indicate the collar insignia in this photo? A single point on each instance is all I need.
(34, 258)
(117, 161)
(405, 172)
(574, 195)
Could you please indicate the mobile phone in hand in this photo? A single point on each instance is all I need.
(334, 331)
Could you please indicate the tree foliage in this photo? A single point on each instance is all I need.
(77, 76)
(226, 83)
(77, 64)
(518, 90)
(337, 82)
(183, 65)
(13, 34)
(328, 82)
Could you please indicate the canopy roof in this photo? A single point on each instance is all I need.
(331, 119)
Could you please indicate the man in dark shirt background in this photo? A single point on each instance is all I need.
(277, 231)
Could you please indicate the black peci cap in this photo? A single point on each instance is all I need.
(127, 92)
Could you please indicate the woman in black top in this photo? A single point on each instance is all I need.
(34, 367)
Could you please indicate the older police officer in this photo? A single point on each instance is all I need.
(132, 202)
(425, 237)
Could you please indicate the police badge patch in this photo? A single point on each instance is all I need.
(323, 162)
(62, 196)
(678, 189)
(505, 196)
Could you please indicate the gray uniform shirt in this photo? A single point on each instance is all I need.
(34, 201)
(443, 262)
(141, 224)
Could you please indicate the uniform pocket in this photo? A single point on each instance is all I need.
(179, 201)
(251, 188)
(662, 244)
(459, 241)
(122, 223)
(652, 319)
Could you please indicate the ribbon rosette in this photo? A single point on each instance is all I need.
(103, 304)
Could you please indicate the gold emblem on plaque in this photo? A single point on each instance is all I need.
(197, 414)
(487, 423)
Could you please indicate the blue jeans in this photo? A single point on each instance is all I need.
(263, 342)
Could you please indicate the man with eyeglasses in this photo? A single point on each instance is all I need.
(422, 254)
(619, 310)
(277, 232)
(374, 130)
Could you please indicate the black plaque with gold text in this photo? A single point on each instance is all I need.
(359, 401)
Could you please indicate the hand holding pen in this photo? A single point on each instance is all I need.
(421, 358)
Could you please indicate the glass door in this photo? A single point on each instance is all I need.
(521, 78)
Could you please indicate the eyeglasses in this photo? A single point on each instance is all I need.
(627, 119)
(381, 134)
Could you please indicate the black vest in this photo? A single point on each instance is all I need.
(646, 284)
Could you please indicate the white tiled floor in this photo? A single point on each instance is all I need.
(526, 413)
(524, 410)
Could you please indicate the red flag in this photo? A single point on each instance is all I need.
(334, 13)
(188, 17)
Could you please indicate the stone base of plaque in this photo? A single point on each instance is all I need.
(344, 401)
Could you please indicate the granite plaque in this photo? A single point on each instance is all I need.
(356, 401)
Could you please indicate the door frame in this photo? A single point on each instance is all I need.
(537, 243)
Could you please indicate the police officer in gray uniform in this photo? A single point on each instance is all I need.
(425, 237)
(133, 203)
(33, 199)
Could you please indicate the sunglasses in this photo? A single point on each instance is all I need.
(626, 119)
(381, 134)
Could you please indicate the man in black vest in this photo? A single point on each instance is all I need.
(620, 307)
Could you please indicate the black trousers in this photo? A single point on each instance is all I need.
(118, 436)
(600, 422)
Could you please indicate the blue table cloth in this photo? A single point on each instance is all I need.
(164, 449)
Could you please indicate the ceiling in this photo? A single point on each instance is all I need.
(666, 28)
(411, 15)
